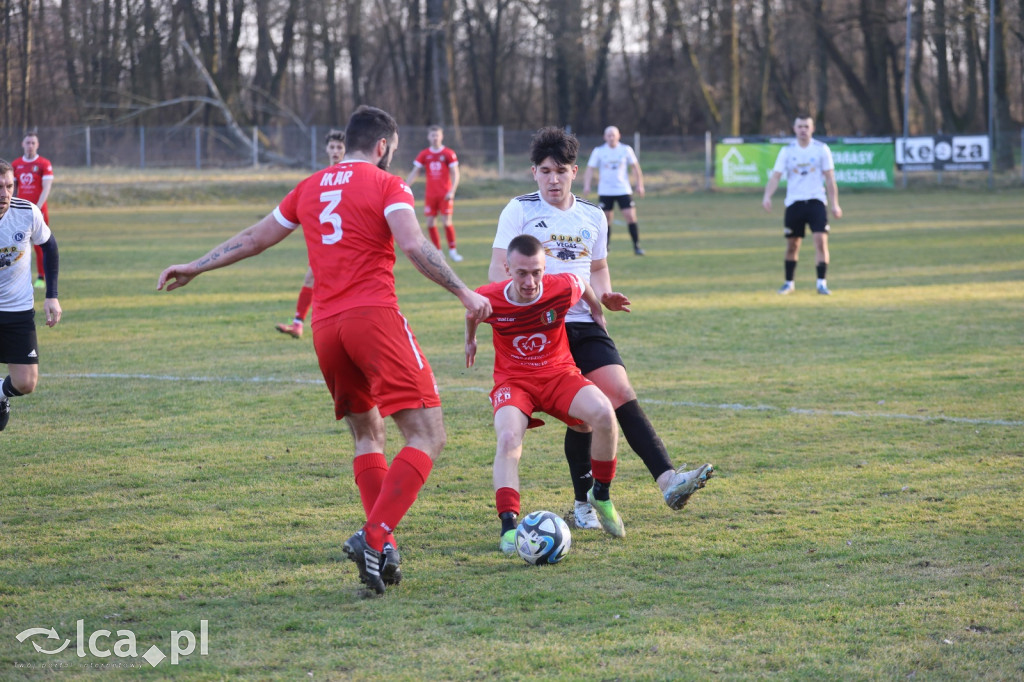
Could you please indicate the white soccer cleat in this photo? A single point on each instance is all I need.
(454, 255)
(787, 288)
(584, 516)
(685, 483)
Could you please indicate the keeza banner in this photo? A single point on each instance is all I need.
(943, 153)
(748, 164)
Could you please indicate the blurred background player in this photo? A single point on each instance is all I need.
(368, 355)
(21, 224)
(613, 160)
(442, 179)
(573, 231)
(534, 371)
(335, 141)
(810, 186)
(34, 175)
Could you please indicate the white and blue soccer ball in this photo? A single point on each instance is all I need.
(542, 537)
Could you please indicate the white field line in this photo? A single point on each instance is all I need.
(736, 407)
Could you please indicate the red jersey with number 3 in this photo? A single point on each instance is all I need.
(343, 211)
(529, 338)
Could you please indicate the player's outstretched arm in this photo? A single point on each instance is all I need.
(429, 261)
(471, 325)
(251, 241)
(601, 280)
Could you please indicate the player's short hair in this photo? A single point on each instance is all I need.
(803, 116)
(366, 125)
(334, 135)
(526, 244)
(435, 127)
(6, 167)
(556, 143)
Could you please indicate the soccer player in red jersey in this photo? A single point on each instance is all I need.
(534, 371)
(335, 141)
(352, 214)
(34, 176)
(442, 177)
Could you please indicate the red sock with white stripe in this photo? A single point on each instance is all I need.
(398, 491)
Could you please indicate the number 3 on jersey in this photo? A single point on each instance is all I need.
(328, 216)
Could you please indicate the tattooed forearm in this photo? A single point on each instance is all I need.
(431, 263)
(213, 258)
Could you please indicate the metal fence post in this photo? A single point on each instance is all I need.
(88, 147)
(255, 149)
(199, 147)
(636, 143)
(708, 160)
(501, 151)
(142, 146)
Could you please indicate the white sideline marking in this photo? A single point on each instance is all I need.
(737, 407)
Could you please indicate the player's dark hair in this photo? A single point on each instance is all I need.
(435, 127)
(367, 125)
(555, 143)
(5, 167)
(803, 115)
(334, 135)
(526, 244)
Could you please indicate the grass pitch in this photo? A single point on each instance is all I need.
(180, 462)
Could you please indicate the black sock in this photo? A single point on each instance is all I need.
(634, 233)
(822, 269)
(608, 241)
(9, 391)
(641, 437)
(601, 491)
(790, 270)
(577, 454)
(508, 521)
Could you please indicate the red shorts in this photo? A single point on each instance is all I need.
(551, 393)
(370, 358)
(435, 204)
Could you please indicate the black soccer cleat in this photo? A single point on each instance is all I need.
(390, 572)
(5, 413)
(367, 559)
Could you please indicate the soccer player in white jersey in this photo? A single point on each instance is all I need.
(613, 161)
(810, 186)
(21, 227)
(573, 232)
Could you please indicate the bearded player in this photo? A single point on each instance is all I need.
(352, 215)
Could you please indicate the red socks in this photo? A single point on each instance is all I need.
(449, 234)
(398, 491)
(435, 237)
(303, 306)
(603, 472)
(507, 500)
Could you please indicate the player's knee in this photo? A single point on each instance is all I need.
(509, 443)
(24, 385)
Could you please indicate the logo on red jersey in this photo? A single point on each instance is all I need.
(549, 317)
(532, 345)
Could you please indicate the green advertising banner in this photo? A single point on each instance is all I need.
(746, 164)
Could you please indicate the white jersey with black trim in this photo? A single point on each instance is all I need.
(572, 238)
(612, 164)
(20, 227)
(804, 168)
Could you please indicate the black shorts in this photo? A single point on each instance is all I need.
(18, 338)
(623, 200)
(591, 347)
(799, 214)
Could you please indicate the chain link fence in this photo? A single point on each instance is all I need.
(487, 150)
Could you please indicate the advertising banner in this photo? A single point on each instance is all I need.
(943, 153)
(858, 164)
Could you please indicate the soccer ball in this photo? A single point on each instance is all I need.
(542, 537)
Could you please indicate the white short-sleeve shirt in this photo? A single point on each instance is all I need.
(571, 238)
(804, 170)
(612, 164)
(20, 228)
